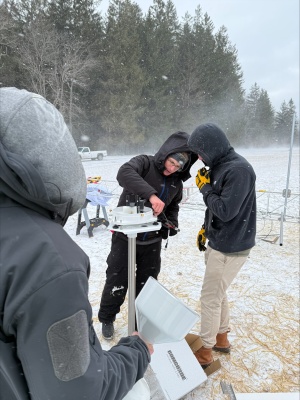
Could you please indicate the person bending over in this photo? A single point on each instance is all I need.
(158, 180)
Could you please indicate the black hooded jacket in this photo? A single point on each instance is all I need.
(230, 218)
(143, 176)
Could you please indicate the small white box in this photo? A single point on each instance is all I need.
(176, 369)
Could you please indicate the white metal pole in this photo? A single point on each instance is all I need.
(289, 167)
(131, 224)
(281, 230)
(131, 282)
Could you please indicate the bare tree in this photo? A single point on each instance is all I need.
(36, 50)
(74, 68)
(56, 64)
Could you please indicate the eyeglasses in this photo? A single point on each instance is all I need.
(170, 161)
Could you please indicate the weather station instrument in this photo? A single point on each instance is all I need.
(132, 219)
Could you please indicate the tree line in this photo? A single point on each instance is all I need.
(125, 80)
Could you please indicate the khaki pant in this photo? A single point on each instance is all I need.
(221, 269)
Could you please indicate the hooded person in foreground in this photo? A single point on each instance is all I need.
(48, 346)
(227, 183)
(157, 180)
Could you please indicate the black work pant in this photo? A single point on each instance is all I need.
(148, 263)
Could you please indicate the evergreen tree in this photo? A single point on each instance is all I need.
(204, 43)
(210, 75)
(121, 77)
(264, 119)
(77, 18)
(9, 64)
(158, 62)
(251, 123)
(190, 95)
(127, 81)
(23, 12)
(226, 88)
(284, 121)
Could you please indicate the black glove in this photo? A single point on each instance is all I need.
(202, 177)
(165, 232)
(201, 239)
(168, 228)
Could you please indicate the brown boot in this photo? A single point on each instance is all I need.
(222, 344)
(204, 357)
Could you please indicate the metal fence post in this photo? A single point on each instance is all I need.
(289, 167)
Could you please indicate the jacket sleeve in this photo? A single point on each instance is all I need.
(59, 351)
(130, 177)
(236, 185)
(172, 209)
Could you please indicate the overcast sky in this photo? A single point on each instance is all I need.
(266, 36)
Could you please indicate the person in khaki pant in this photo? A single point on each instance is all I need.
(227, 183)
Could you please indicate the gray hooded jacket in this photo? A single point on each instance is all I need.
(48, 346)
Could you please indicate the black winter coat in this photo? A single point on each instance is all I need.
(143, 176)
(230, 217)
(48, 346)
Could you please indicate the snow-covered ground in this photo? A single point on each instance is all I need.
(264, 298)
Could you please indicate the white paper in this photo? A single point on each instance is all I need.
(176, 369)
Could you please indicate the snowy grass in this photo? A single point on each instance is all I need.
(264, 298)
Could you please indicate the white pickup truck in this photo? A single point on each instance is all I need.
(86, 154)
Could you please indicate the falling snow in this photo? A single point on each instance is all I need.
(264, 298)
